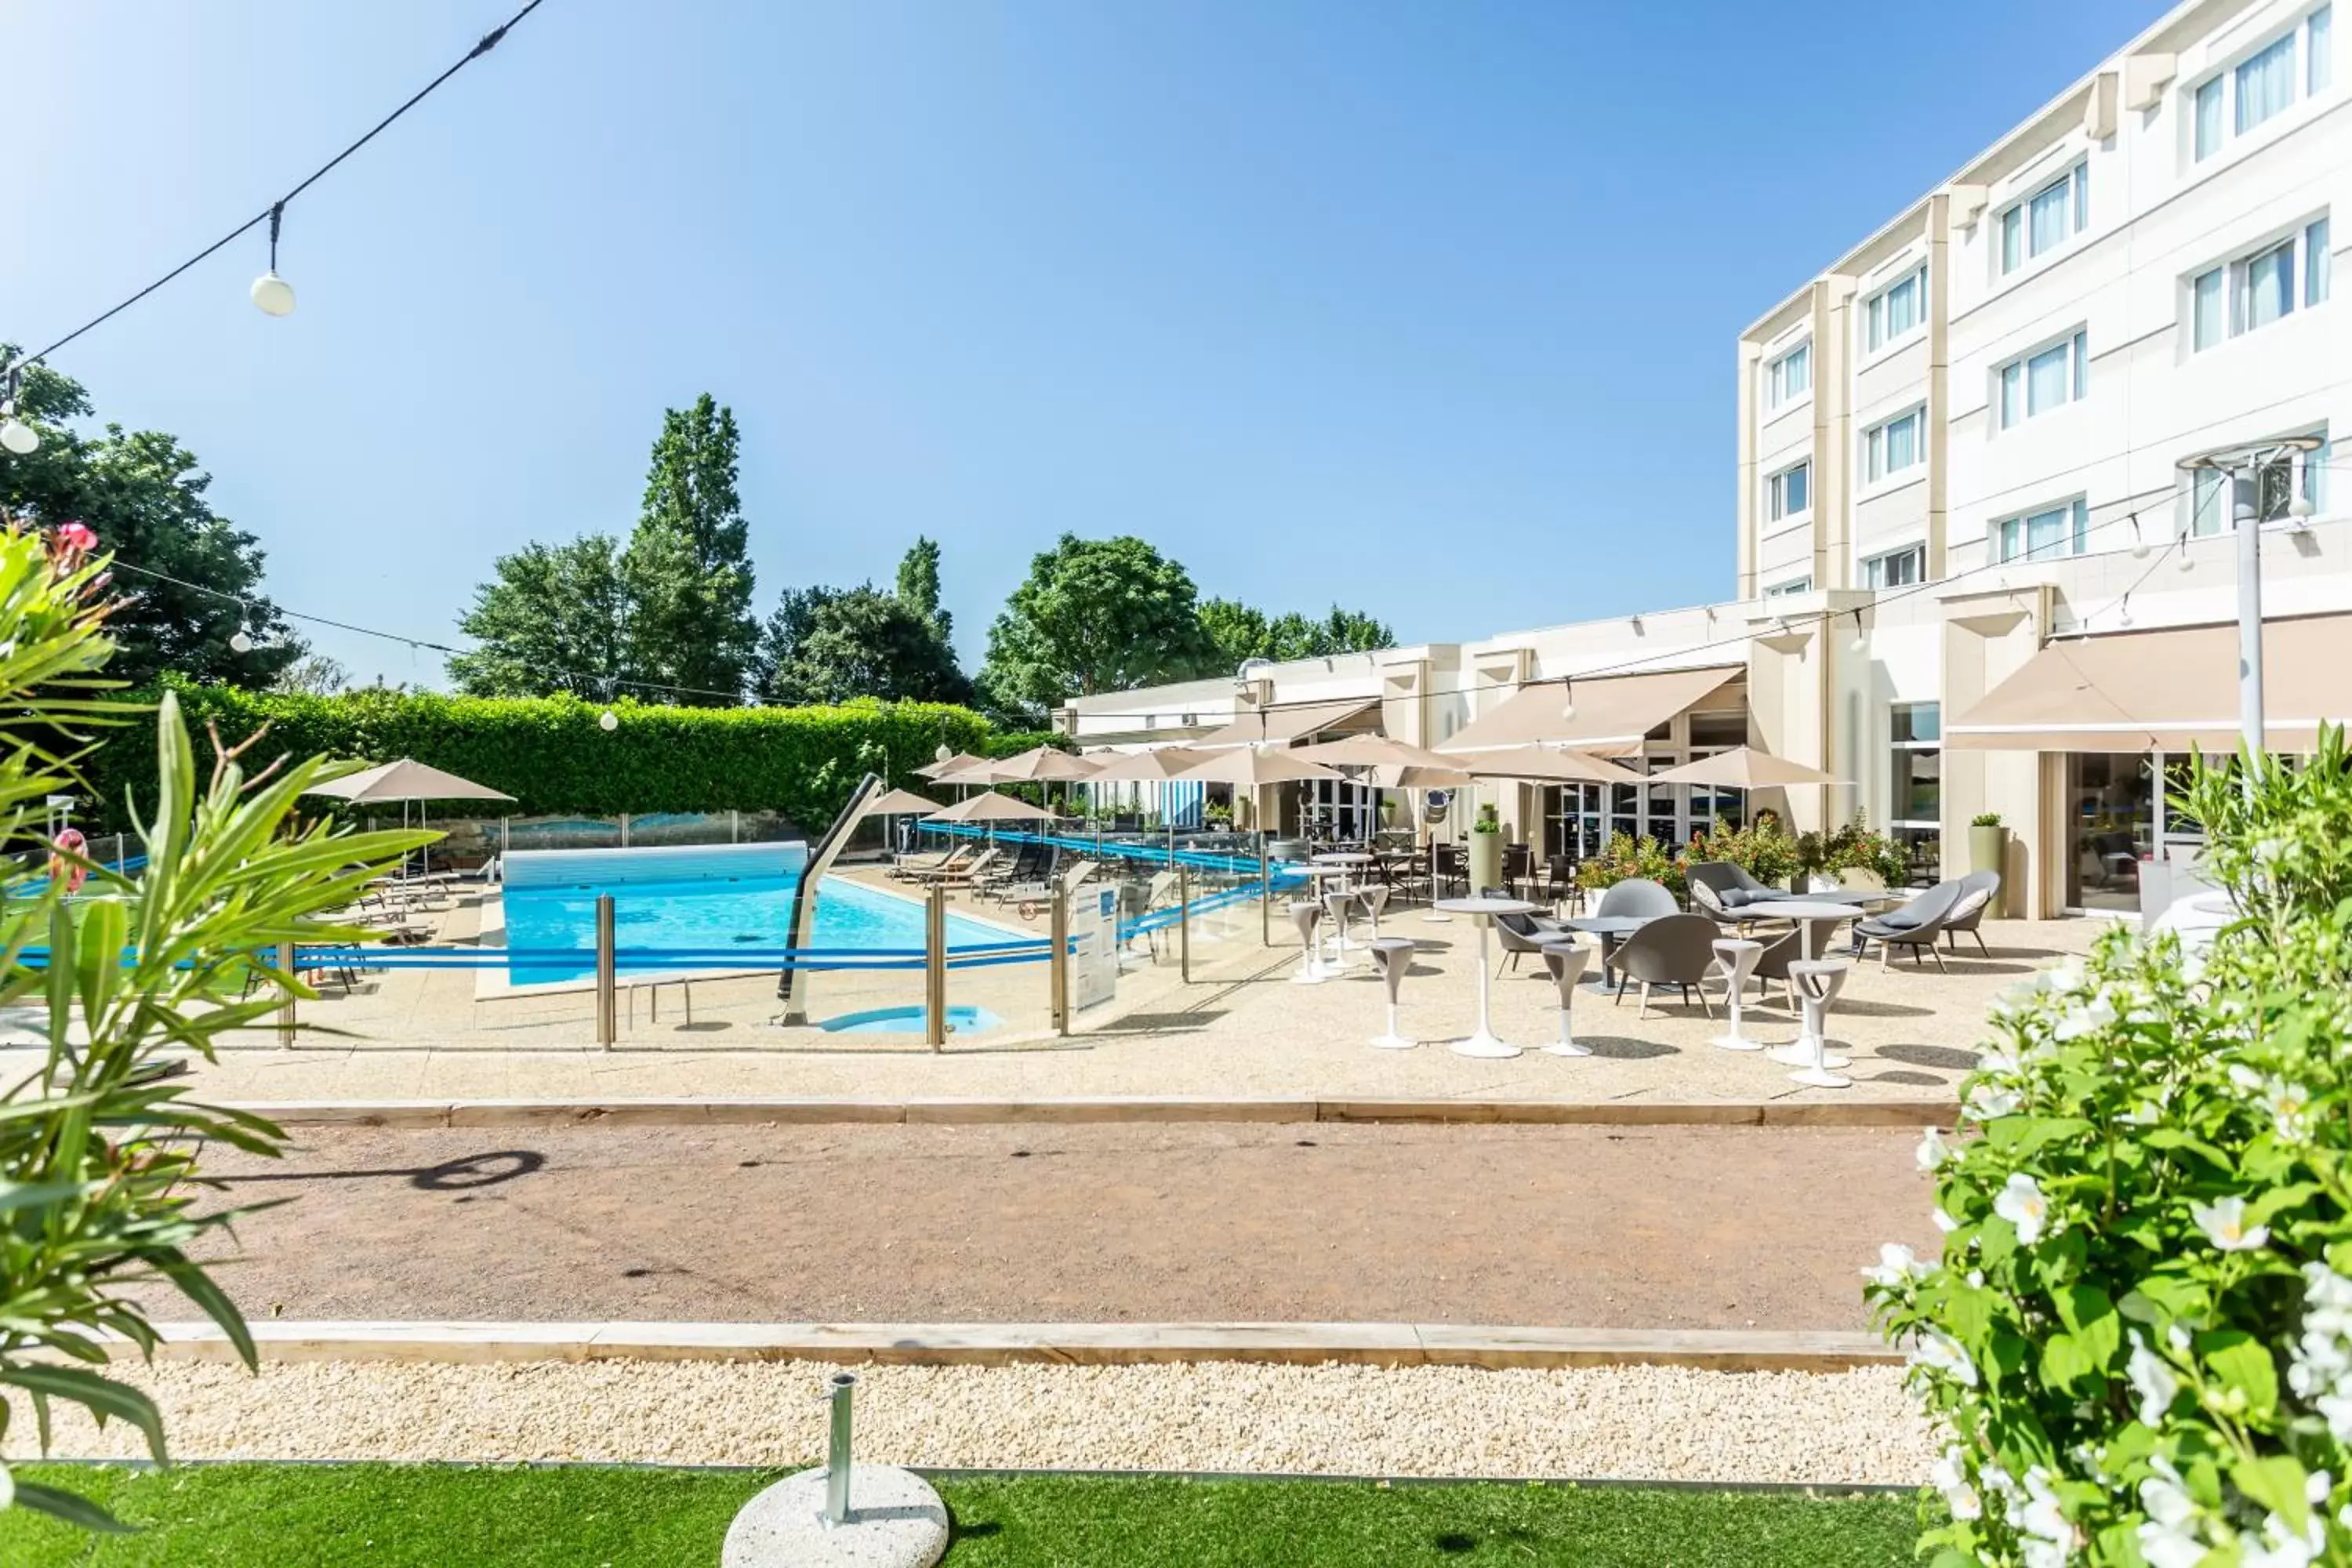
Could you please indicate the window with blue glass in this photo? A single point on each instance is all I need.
(2262, 286)
(1896, 310)
(2047, 219)
(2048, 378)
(2045, 535)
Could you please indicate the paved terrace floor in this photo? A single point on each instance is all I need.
(1241, 1029)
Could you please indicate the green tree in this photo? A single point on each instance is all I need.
(1241, 632)
(190, 580)
(827, 645)
(918, 585)
(688, 566)
(1095, 615)
(555, 618)
(103, 1201)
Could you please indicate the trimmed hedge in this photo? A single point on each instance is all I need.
(552, 756)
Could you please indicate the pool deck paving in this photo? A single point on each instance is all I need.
(1242, 1029)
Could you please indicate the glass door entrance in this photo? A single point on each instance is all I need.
(2111, 822)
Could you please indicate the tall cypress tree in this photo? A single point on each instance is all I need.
(687, 565)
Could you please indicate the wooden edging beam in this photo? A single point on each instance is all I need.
(1076, 1344)
(759, 1112)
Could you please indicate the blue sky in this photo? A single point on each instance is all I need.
(1427, 308)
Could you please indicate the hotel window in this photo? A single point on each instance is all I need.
(2208, 119)
(1896, 569)
(1896, 310)
(2322, 50)
(2046, 220)
(2266, 84)
(2260, 288)
(1789, 492)
(2063, 529)
(1791, 376)
(2263, 86)
(1794, 585)
(1890, 448)
(2047, 379)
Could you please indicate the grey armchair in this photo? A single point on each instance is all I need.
(1672, 950)
(1913, 926)
(1720, 888)
(1978, 891)
(1519, 935)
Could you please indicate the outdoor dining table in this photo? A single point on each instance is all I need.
(1482, 1041)
(1812, 914)
(1611, 929)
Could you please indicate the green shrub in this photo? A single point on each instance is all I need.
(1762, 850)
(550, 754)
(1853, 845)
(1625, 857)
(2140, 1331)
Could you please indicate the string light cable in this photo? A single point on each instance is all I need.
(271, 292)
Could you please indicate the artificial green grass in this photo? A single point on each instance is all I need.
(420, 1516)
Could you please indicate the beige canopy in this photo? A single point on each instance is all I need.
(1149, 767)
(1743, 767)
(2176, 688)
(898, 802)
(954, 764)
(1407, 776)
(1544, 764)
(1254, 767)
(1283, 723)
(406, 780)
(990, 806)
(1375, 752)
(1038, 763)
(1614, 712)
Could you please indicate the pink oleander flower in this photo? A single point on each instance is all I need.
(71, 541)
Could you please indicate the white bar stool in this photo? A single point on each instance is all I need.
(1375, 897)
(1306, 915)
(1566, 959)
(1392, 955)
(1336, 902)
(1818, 981)
(1736, 957)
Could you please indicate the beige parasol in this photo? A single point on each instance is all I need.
(1743, 767)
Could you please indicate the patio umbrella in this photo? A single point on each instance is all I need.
(1743, 767)
(1376, 751)
(1033, 766)
(404, 781)
(1148, 767)
(954, 764)
(1543, 765)
(1408, 776)
(1251, 767)
(990, 806)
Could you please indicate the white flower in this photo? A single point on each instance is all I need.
(2168, 1546)
(2152, 1380)
(2020, 1201)
(2223, 1221)
(2085, 1020)
(1964, 1503)
(1939, 1355)
(2163, 1497)
(2139, 1116)
(2280, 1547)
(2337, 1410)
(1943, 1221)
(2244, 1078)
(1931, 1152)
(1976, 1279)
(1999, 1062)
(2065, 980)
(2290, 1107)
(2323, 1286)
(2045, 1521)
(1897, 1264)
(1986, 1102)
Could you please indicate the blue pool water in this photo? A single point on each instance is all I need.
(706, 900)
(961, 1020)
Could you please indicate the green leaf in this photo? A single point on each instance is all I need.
(2068, 1361)
(197, 1287)
(2021, 1135)
(2161, 1298)
(101, 1397)
(2276, 1483)
(2242, 1365)
(71, 1509)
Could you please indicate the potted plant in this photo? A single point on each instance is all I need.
(1988, 843)
(1486, 849)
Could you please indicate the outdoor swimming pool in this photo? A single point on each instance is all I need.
(703, 900)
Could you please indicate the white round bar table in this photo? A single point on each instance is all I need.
(1482, 1041)
(1350, 865)
(1814, 917)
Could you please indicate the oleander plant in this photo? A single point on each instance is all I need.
(2137, 1340)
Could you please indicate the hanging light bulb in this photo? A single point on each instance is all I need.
(16, 435)
(240, 641)
(272, 294)
(943, 752)
(2139, 539)
(1860, 644)
(1568, 707)
(2122, 613)
(2188, 563)
(608, 722)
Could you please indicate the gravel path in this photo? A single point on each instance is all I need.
(1650, 1423)
(1566, 1226)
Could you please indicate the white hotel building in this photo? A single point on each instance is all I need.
(1971, 574)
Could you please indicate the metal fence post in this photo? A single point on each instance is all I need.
(935, 967)
(608, 1012)
(1057, 962)
(624, 830)
(837, 1464)
(286, 998)
(1265, 894)
(1184, 923)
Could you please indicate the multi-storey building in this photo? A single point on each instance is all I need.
(1973, 575)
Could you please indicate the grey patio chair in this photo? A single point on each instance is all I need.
(1519, 935)
(1978, 891)
(1636, 897)
(1773, 962)
(1672, 950)
(1913, 926)
(1719, 888)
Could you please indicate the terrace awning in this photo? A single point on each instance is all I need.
(1283, 723)
(2176, 688)
(1614, 712)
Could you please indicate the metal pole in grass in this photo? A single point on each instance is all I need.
(837, 1459)
(607, 974)
(285, 996)
(935, 968)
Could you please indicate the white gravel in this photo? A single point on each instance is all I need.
(1649, 1423)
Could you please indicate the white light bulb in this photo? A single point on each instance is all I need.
(2122, 616)
(240, 641)
(1568, 709)
(18, 436)
(1860, 644)
(273, 294)
(943, 753)
(609, 722)
(2188, 561)
(2139, 543)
